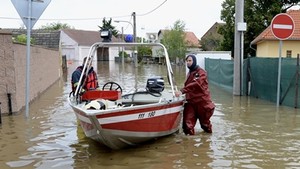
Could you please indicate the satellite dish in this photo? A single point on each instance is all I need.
(152, 36)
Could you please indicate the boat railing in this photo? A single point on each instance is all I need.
(93, 51)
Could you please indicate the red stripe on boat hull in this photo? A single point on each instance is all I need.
(139, 110)
(155, 124)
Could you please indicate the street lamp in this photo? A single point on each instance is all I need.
(134, 36)
(118, 21)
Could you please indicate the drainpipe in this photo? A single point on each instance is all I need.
(9, 103)
(253, 48)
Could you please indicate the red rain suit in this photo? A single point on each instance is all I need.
(199, 104)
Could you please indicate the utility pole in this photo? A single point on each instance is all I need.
(122, 50)
(134, 39)
(134, 27)
(240, 26)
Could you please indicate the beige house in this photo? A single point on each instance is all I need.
(267, 45)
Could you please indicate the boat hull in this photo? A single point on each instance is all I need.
(118, 120)
(130, 126)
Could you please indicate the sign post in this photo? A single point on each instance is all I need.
(29, 11)
(282, 27)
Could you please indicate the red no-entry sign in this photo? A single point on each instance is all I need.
(282, 26)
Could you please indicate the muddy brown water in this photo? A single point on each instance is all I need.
(247, 133)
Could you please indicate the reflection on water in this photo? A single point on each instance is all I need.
(247, 132)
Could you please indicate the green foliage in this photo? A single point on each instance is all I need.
(174, 40)
(227, 30)
(143, 51)
(210, 43)
(23, 39)
(107, 25)
(126, 55)
(56, 26)
(258, 15)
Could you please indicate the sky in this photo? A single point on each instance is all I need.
(151, 15)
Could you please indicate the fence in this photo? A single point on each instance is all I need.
(260, 78)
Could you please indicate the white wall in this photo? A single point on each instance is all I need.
(225, 55)
(113, 52)
(69, 52)
(200, 56)
(68, 46)
(84, 52)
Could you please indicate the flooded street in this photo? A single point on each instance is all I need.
(247, 132)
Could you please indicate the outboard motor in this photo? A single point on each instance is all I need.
(155, 84)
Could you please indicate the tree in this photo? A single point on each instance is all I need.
(106, 25)
(174, 40)
(227, 30)
(143, 51)
(258, 15)
(56, 26)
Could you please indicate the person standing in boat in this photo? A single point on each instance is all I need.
(199, 104)
(90, 82)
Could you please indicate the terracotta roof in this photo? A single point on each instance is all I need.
(268, 35)
(85, 38)
(191, 39)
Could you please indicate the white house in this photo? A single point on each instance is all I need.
(75, 44)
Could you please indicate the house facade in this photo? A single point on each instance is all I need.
(267, 45)
(75, 44)
(211, 39)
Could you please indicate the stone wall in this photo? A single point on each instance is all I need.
(45, 69)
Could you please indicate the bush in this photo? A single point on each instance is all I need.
(23, 39)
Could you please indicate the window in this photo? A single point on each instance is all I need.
(289, 54)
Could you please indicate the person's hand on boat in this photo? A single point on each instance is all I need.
(81, 91)
(178, 93)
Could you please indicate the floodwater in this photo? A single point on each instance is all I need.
(247, 133)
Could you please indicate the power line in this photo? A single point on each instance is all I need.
(80, 19)
(66, 19)
(153, 9)
(10, 18)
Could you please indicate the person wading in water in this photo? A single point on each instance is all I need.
(199, 104)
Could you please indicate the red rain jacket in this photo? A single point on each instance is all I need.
(196, 88)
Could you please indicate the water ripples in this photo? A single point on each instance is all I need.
(247, 133)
